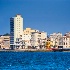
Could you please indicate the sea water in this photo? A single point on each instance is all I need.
(34, 60)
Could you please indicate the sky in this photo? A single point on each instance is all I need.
(44, 15)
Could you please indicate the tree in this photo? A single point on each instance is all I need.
(7, 34)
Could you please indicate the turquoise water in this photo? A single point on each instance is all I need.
(34, 60)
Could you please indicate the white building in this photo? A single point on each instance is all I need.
(38, 39)
(16, 30)
(64, 42)
(26, 39)
(55, 39)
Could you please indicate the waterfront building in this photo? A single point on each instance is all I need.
(55, 39)
(48, 44)
(38, 39)
(16, 31)
(27, 36)
(64, 42)
(4, 42)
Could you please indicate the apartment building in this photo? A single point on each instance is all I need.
(4, 42)
(64, 42)
(55, 39)
(38, 39)
(16, 30)
(27, 36)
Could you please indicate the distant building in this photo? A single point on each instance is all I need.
(27, 36)
(65, 41)
(54, 38)
(4, 42)
(48, 44)
(38, 39)
(16, 30)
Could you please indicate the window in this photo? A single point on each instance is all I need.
(66, 38)
(64, 43)
(28, 31)
(38, 38)
(21, 35)
(39, 33)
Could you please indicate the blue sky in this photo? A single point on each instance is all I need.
(44, 15)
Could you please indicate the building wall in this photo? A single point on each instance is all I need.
(38, 38)
(5, 42)
(66, 42)
(27, 36)
(28, 31)
(55, 38)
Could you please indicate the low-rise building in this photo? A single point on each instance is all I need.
(38, 39)
(26, 37)
(55, 39)
(65, 41)
(48, 44)
(4, 42)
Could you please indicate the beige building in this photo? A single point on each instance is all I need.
(28, 31)
(38, 39)
(27, 36)
(4, 42)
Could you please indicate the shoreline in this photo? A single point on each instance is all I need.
(27, 50)
(32, 50)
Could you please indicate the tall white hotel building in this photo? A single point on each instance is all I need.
(16, 30)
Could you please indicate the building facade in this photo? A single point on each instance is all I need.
(27, 36)
(65, 41)
(38, 39)
(4, 42)
(16, 30)
(54, 38)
